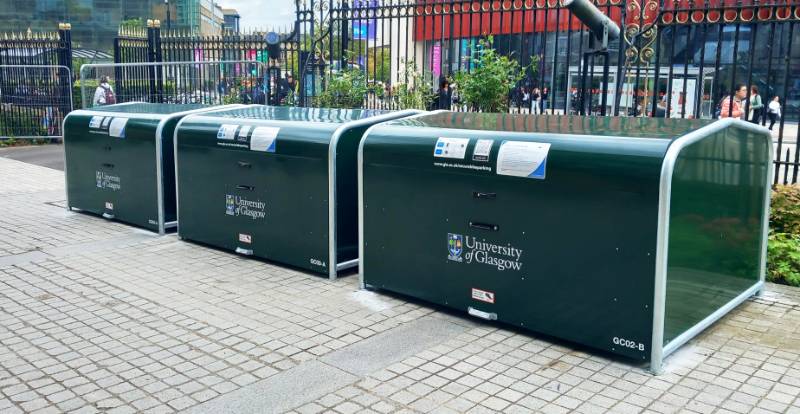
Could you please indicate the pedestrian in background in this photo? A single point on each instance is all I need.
(545, 95)
(774, 111)
(756, 105)
(536, 101)
(731, 107)
(104, 94)
(526, 99)
(444, 96)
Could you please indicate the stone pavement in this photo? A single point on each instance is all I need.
(100, 317)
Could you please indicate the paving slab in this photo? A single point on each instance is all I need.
(96, 316)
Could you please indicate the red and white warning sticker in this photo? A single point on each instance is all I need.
(483, 295)
(245, 238)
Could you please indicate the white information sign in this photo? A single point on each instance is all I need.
(522, 159)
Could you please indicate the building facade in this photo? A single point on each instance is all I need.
(232, 18)
(696, 65)
(95, 23)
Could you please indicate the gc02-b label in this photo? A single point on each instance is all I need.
(627, 343)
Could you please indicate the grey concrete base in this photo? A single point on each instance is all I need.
(392, 346)
(281, 392)
(314, 379)
(61, 251)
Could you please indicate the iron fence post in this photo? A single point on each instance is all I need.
(65, 59)
(152, 45)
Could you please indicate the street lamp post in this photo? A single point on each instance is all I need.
(169, 22)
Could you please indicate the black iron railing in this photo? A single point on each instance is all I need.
(674, 59)
(35, 83)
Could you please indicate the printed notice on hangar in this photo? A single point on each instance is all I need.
(117, 127)
(483, 148)
(263, 139)
(227, 131)
(243, 131)
(451, 148)
(95, 122)
(522, 159)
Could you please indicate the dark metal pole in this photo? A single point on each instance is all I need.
(169, 19)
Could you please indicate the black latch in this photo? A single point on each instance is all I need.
(482, 195)
(484, 226)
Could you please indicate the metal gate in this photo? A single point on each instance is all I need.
(34, 99)
(210, 83)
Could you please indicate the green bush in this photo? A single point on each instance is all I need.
(785, 214)
(347, 88)
(417, 93)
(783, 259)
(783, 251)
(486, 88)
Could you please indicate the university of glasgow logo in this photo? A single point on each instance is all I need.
(99, 178)
(230, 205)
(455, 246)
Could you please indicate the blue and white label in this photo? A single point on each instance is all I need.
(227, 132)
(117, 127)
(95, 122)
(523, 159)
(451, 148)
(263, 139)
(243, 131)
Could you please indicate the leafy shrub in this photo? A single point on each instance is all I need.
(783, 259)
(785, 214)
(487, 86)
(783, 251)
(417, 93)
(347, 88)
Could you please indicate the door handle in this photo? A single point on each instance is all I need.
(246, 252)
(245, 187)
(108, 165)
(245, 164)
(484, 226)
(487, 196)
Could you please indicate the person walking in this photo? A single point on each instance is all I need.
(545, 95)
(756, 105)
(774, 111)
(731, 107)
(526, 100)
(104, 94)
(444, 96)
(536, 101)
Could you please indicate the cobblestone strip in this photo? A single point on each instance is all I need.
(74, 342)
(32, 222)
(748, 363)
(303, 316)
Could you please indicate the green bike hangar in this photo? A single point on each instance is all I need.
(118, 161)
(628, 235)
(276, 183)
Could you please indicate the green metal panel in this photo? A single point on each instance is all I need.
(272, 204)
(117, 176)
(572, 255)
